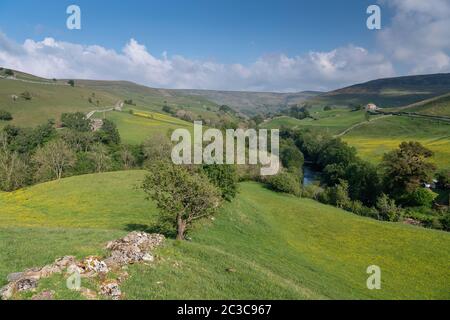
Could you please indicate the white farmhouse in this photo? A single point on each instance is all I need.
(371, 107)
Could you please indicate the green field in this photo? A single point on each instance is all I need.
(439, 106)
(378, 137)
(153, 99)
(48, 101)
(136, 128)
(305, 251)
(333, 121)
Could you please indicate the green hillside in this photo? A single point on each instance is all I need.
(390, 92)
(135, 128)
(305, 251)
(333, 121)
(439, 106)
(251, 103)
(380, 135)
(374, 139)
(52, 98)
(153, 99)
(48, 101)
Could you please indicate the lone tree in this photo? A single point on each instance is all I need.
(5, 115)
(406, 168)
(100, 157)
(127, 157)
(53, 159)
(224, 177)
(181, 193)
(71, 83)
(158, 147)
(76, 121)
(26, 95)
(13, 170)
(108, 133)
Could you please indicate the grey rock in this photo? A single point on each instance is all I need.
(7, 291)
(111, 289)
(44, 295)
(26, 284)
(14, 276)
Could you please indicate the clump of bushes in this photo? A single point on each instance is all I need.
(443, 179)
(387, 208)
(5, 115)
(312, 191)
(26, 95)
(285, 181)
(168, 109)
(129, 102)
(338, 196)
(224, 177)
(76, 121)
(421, 197)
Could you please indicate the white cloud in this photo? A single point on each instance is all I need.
(315, 71)
(418, 39)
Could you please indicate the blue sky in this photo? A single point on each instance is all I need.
(226, 33)
(229, 30)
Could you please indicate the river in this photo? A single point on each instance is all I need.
(310, 175)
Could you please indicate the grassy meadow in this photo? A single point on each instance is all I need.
(305, 251)
(373, 139)
(333, 121)
(154, 99)
(135, 128)
(51, 99)
(439, 106)
(378, 137)
(48, 101)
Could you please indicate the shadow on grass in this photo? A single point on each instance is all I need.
(167, 231)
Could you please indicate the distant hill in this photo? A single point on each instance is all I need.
(390, 92)
(52, 97)
(153, 98)
(252, 103)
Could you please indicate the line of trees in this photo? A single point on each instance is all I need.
(32, 155)
(394, 190)
(183, 194)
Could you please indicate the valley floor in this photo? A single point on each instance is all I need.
(279, 246)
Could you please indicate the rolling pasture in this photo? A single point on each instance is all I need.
(48, 101)
(378, 137)
(154, 99)
(135, 128)
(389, 92)
(439, 106)
(306, 251)
(332, 122)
